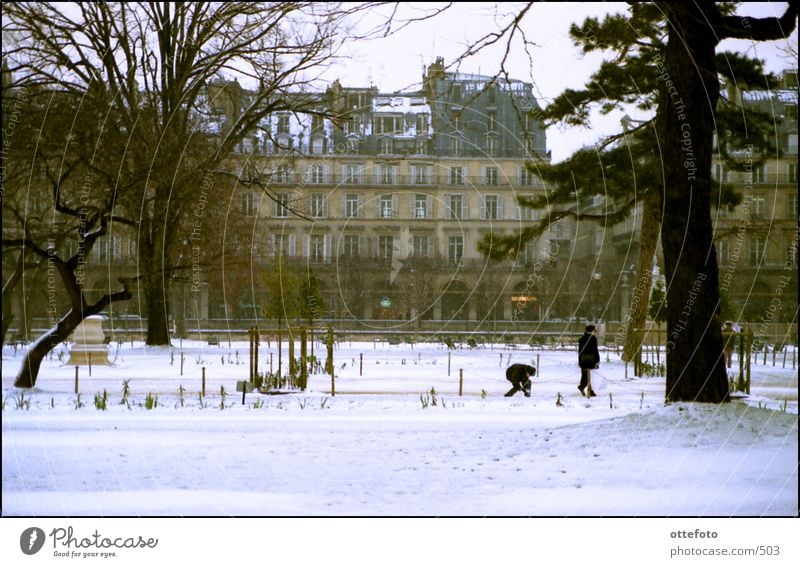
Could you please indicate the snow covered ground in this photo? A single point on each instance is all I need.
(384, 444)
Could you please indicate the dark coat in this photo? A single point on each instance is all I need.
(588, 354)
(519, 373)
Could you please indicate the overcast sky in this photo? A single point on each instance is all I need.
(397, 63)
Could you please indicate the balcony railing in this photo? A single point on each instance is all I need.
(368, 178)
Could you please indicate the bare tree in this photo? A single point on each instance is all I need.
(54, 215)
(152, 64)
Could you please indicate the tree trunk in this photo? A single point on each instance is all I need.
(651, 224)
(152, 255)
(689, 94)
(8, 293)
(44, 344)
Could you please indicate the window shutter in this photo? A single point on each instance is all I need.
(499, 206)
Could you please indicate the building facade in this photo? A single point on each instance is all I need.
(384, 197)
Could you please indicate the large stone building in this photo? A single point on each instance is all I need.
(386, 203)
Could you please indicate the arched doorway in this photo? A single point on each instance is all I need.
(454, 301)
(525, 302)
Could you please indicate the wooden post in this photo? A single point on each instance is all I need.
(361, 364)
(256, 341)
(182, 357)
(250, 351)
(280, 352)
(303, 359)
(774, 354)
(329, 360)
(460, 382)
(203, 383)
(292, 368)
(448, 363)
(538, 366)
(76, 379)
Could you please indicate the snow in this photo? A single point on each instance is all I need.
(373, 449)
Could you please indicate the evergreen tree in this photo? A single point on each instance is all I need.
(653, 68)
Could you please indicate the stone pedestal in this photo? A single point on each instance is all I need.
(88, 347)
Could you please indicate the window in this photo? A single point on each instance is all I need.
(723, 253)
(283, 244)
(317, 248)
(758, 174)
(318, 146)
(352, 125)
(387, 174)
(352, 205)
(420, 246)
(248, 204)
(457, 206)
(791, 139)
(318, 207)
(352, 173)
(792, 173)
(421, 147)
(421, 174)
(530, 143)
(526, 177)
(386, 206)
(491, 145)
(421, 206)
(316, 123)
(457, 175)
(387, 124)
(491, 122)
(528, 254)
(490, 176)
(757, 207)
(282, 205)
(491, 207)
(101, 250)
(720, 174)
(757, 249)
(455, 248)
(385, 246)
(317, 173)
(387, 146)
(422, 124)
(283, 124)
(527, 213)
(282, 174)
(455, 146)
(791, 206)
(351, 245)
(560, 231)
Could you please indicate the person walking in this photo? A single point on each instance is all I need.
(588, 359)
(520, 377)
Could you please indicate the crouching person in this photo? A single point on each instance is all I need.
(520, 377)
